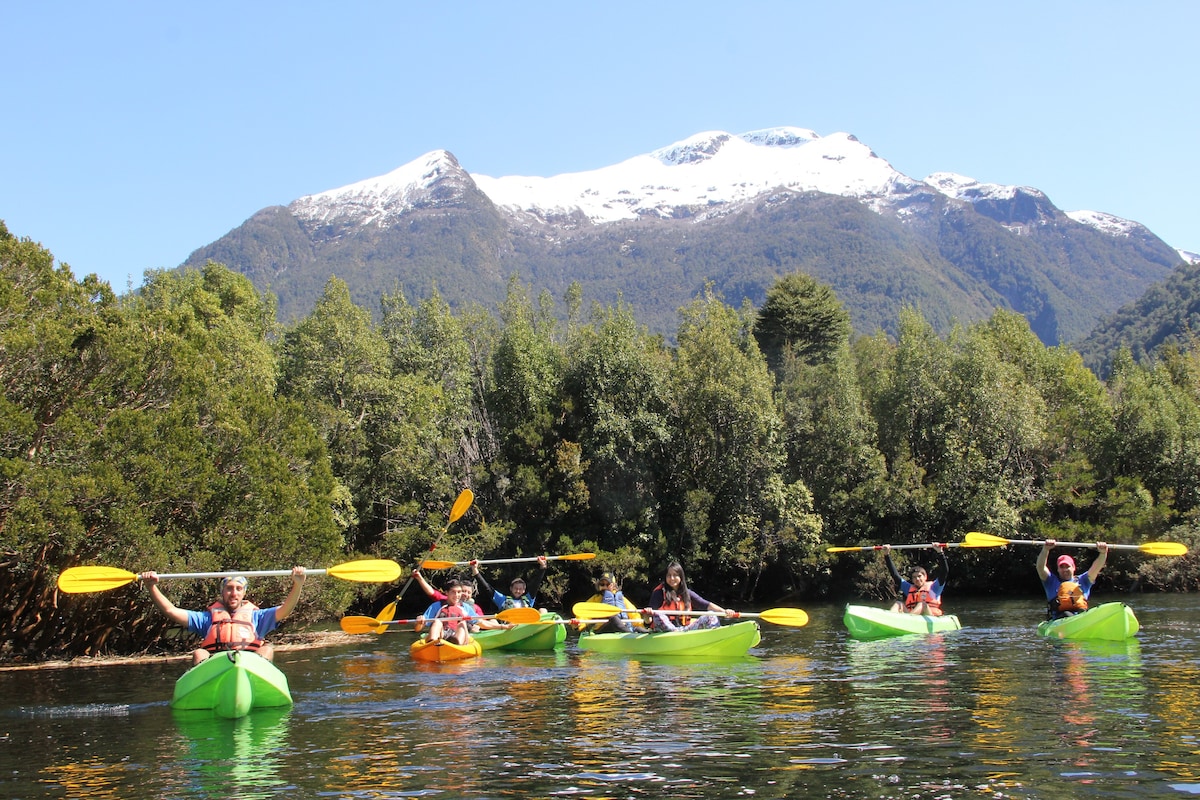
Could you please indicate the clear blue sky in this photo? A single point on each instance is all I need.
(135, 132)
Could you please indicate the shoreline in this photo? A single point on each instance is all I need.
(295, 641)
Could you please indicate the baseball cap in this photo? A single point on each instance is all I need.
(1065, 560)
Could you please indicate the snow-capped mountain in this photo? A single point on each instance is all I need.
(704, 175)
(734, 212)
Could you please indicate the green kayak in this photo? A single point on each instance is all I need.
(865, 622)
(1109, 621)
(546, 635)
(231, 684)
(724, 641)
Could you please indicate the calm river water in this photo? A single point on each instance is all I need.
(989, 711)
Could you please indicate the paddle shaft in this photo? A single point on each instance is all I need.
(979, 539)
(780, 616)
(867, 547)
(261, 573)
(461, 503)
(431, 564)
(1091, 545)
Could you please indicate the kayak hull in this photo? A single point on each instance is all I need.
(546, 636)
(231, 684)
(424, 650)
(724, 641)
(1112, 622)
(867, 623)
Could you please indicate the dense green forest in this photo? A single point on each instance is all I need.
(181, 428)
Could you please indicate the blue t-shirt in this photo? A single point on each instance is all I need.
(264, 622)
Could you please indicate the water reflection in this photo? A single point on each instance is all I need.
(230, 757)
(992, 710)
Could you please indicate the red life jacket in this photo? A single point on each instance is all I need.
(232, 632)
(1070, 598)
(933, 604)
(452, 615)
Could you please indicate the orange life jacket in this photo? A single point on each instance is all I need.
(1069, 598)
(232, 631)
(678, 604)
(933, 604)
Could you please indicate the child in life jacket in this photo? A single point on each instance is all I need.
(920, 595)
(1067, 594)
(520, 595)
(448, 619)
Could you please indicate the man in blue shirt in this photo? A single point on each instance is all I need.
(1065, 593)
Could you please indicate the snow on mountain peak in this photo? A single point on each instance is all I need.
(705, 174)
(710, 170)
(1107, 223)
(374, 199)
(961, 187)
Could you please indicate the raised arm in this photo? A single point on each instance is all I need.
(887, 559)
(1097, 565)
(1042, 570)
(177, 615)
(535, 582)
(941, 550)
(487, 587)
(293, 597)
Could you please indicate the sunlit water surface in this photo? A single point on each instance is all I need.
(989, 711)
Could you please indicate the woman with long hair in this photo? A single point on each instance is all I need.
(673, 595)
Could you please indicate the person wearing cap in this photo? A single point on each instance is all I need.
(609, 593)
(233, 622)
(1067, 594)
(519, 594)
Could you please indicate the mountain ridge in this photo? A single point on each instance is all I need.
(684, 209)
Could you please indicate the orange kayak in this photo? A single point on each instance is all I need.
(424, 650)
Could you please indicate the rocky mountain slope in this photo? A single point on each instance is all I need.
(734, 210)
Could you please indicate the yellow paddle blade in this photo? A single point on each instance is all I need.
(795, 617)
(595, 610)
(978, 539)
(387, 613)
(368, 570)
(848, 549)
(431, 564)
(93, 579)
(362, 625)
(520, 615)
(461, 504)
(1164, 548)
(574, 557)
